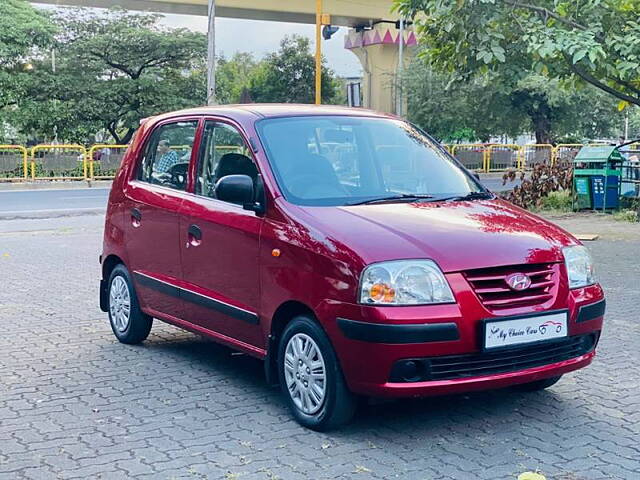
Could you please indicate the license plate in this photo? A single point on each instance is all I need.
(517, 331)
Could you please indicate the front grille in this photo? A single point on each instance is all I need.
(454, 367)
(491, 287)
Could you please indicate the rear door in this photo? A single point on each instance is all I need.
(152, 226)
(220, 241)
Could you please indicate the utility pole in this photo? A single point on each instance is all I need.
(211, 54)
(400, 69)
(55, 100)
(626, 124)
(318, 52)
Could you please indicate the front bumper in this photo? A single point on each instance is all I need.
(370, 341)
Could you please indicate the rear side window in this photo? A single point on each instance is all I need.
(167, 155)
(223, 152)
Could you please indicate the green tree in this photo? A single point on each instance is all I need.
(23, 32)
(488, 106)
(233, 76)
(288, 75)
(113, 68)
(459, 112)
(592, 41)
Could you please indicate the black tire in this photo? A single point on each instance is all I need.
(339, 404)
(139, 324)
(538, 384)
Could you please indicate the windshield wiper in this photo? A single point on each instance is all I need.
(410, 197)
(469, 196)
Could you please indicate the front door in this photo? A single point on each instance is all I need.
(220, 243)
(153, 200)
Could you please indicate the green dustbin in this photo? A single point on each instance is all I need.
(596, 177)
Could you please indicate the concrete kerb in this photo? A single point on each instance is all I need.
(54, 185)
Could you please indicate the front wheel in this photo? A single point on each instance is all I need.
(129, 324)
(538, 384)
(310, 377)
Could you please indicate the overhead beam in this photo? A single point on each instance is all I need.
(345, 13)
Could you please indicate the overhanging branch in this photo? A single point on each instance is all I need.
(545, 13)
(587, 77)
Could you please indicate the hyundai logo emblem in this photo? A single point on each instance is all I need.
(518, 281)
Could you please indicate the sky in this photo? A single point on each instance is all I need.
(261, 37)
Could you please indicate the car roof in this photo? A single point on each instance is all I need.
(271, 110)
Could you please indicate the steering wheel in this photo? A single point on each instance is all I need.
(310, 186)
(178, 175)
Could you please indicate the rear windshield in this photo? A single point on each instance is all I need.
(343, 160)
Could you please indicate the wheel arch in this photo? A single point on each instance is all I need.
(108, 264)
(281, 317)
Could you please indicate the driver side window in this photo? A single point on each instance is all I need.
(223, 152)
(167, 155)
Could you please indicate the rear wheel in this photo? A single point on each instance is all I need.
(310, 377)
(538, 384)
(129, 324)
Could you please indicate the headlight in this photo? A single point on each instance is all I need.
(579, 266)
(404, 282)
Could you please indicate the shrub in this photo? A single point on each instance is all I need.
(626, 216)
(545, 179)
(558, 201)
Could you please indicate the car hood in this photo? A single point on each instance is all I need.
(456, 235)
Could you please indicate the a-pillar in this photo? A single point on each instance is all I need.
(378, 52)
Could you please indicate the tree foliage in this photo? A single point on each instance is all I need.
(592, 41)
(113, 68)
(288, 75)
(492, 106)
(24, 31)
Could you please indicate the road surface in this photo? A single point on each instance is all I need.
(51, 203)
(46, 203)
(76, 404)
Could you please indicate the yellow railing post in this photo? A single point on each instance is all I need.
(79, 148)
(536, 147)
(470, 146)
(33, 165)
(509, 146)
(91, 155)
(565, 146)
(22, 151)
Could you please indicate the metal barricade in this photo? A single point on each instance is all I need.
(59, 162)
(564, 153)
(502, 157)
(472, 155)
(536, 154)
(13, 163)
(104, 160)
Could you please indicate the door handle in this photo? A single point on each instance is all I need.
(194, 235)
(136, 217)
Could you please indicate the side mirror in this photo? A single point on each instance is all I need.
(238, 189)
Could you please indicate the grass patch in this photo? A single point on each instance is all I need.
(556, 202)
(626, 216)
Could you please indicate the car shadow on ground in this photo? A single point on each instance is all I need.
(488, 410)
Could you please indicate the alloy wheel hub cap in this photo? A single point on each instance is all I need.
(305, 373)
(119, 303)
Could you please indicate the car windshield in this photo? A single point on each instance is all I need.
(348, 160)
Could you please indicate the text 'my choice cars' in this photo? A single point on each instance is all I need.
(348, 250)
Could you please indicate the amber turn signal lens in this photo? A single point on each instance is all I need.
(380, 292)
(275, 252)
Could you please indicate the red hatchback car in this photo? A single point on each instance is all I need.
(348, 250)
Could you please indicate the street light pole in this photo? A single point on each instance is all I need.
(318, 52)
(400, 69)
(211, 54)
